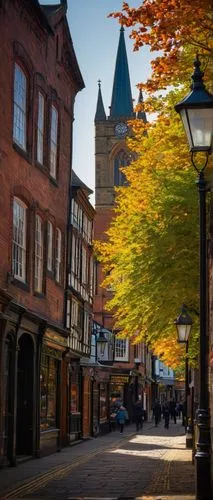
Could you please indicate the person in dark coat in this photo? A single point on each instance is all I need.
(138, 414)
(157, 412)
(166, 415)
(172, 408)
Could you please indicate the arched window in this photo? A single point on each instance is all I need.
(20, 107)
(122, 159)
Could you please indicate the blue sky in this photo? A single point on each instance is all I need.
(95, 39)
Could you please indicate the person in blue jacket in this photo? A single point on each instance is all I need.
(120, 417)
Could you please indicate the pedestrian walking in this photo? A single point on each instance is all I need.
(166, 415)
(121, 417)
(172, 408)
(138, 414)
(157, 412)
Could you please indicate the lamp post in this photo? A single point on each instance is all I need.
(196, 111)
(184, 324)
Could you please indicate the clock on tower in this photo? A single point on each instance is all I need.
(121, 129)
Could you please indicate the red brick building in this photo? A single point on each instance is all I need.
(39, 80)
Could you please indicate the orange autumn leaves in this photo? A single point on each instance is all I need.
(178, 29)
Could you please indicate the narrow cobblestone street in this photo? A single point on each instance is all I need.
(153, 464)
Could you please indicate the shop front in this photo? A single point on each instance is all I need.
(119, 385)
(51, 394)
(100, 401)
(75, 399)
(21, 335)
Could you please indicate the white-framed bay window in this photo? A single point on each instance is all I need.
(20, 107)
(53, 141)
(19, 240)
(49, 246)
(121, 349)
(40, 129)
(58, 256)
(39, 251)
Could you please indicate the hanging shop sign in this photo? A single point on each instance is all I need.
(55, 340)
(119, 379)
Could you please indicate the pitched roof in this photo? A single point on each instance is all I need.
(50, 10)
(100, 111)
(77, 183)
(121, 103)
(41, 13)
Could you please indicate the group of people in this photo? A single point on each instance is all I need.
(168, 410)
(120, 415)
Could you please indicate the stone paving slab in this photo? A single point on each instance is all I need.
(151, 465)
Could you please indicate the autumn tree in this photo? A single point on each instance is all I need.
(177, 29)
(151, 256)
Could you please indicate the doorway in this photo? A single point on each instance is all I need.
(24, 417)
(8, 403)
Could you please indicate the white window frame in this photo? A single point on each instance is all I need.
(19, 240)
(20, 107)
(53, 141)
(40, 129)
(49, 246)
(39, 251)
(68, 311)
(74, 213)
(121, 349)
(58, 255)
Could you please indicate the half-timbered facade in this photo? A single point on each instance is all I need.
(79, 296)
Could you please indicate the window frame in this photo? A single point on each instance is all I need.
(24, 110)
(58, 255)
(40, 130)
(53, 171)
(21, 204)
(39, 289)
(50, 247)
(125, 356)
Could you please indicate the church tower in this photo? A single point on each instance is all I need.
(111, 153)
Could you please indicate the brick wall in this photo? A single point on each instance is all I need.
(24, 38)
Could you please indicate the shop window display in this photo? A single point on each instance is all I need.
(48, 384)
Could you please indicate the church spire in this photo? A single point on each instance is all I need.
(141, 114)
(100, 111)
(121, 103)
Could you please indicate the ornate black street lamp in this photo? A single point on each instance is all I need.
(196, 111)
(184, 324)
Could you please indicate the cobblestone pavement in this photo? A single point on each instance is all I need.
(151, 465)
